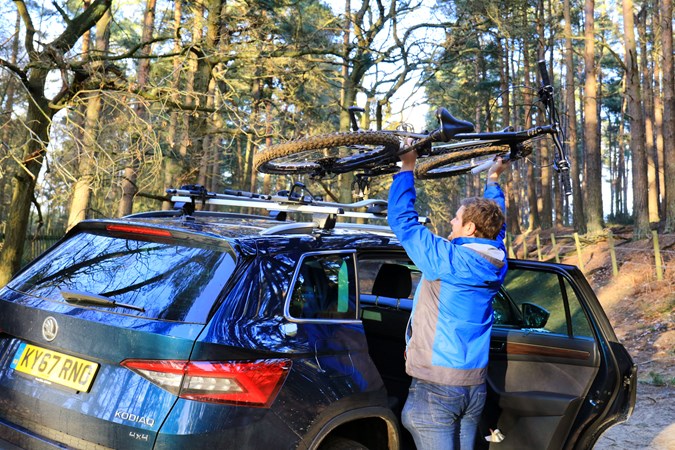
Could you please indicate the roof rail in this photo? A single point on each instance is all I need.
(307, 227)
(324, 213)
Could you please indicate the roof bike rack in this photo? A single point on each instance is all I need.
(298, 199)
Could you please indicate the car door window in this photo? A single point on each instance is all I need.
(505, 313)
(542, 301)
(371, 269)
(325, 288)
(387, 281)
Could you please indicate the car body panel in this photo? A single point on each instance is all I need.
(345, 370)
(136, 411)
(539, 382)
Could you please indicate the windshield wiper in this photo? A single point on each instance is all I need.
(86, 298)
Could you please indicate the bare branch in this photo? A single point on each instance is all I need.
(618, 58)
(80, 24)
(159, 198)
(64, 16)
(131, 52)
(40, 220)
(30, 29)
(23, 76)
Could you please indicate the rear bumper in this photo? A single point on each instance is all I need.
(8, 446)
(15, 437)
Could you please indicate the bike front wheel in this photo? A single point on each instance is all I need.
(457, 162)
(329, 154)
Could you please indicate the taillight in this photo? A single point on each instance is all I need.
(250, 383)
(138, 230)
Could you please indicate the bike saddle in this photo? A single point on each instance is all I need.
(450, 125)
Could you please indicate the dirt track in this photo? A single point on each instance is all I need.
(652, 425)
(642, 311)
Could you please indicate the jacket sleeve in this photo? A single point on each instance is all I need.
(430, 253)
(494, 192)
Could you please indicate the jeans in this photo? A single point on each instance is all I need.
(443, 417)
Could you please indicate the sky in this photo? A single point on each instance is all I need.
(409, 105)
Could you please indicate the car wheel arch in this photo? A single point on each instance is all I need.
(345, 424)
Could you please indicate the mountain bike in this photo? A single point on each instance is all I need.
(374, 153)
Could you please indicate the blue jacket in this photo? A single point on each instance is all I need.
(452, 310)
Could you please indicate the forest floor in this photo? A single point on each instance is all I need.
(642, 311)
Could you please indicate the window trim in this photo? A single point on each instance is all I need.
(563, 274)
(294, 279)
(513, 307)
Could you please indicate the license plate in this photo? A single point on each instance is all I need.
(54, 367)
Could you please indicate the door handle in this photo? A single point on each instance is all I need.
(497, 346)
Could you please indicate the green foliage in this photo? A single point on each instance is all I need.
(658, 379)
(276, 69)
(620, 218)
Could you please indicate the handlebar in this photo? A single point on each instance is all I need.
(453, 128)
(545, 80)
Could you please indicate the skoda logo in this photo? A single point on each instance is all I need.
(49, 328)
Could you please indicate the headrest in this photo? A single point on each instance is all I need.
(392, 280)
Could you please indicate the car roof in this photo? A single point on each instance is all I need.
(237, 225)
(249, 229)
(323, 225)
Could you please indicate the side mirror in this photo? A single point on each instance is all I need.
(534, 316)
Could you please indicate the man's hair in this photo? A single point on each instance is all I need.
(486, 215)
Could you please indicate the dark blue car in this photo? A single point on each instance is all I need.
(224, 330)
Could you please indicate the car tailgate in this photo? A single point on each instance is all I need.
(72, 390)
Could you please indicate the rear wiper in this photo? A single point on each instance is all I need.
(86, 298)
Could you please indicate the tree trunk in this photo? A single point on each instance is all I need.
(593, 174)
(512, 216)
(658, 128)
(128, 182)
(637, 127)
(622, 182)
(172, 161)
(347, 98)
(650, 148)
(668, 111)
(578, 215)
(251, 141)
(534, 220)
(209, 156)
(79, 205)
(24, 181)
(38, 119)
(216, 151)
(7, 165)
(546, 211)
(196, 86)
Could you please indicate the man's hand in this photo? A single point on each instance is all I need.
(408, 159)
(496, 169)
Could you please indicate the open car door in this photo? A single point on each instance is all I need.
(554, 380)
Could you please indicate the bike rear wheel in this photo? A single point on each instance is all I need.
(329, 154)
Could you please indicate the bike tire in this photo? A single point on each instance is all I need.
(456, 163)
(328, 154)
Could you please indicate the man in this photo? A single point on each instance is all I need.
(449, 331)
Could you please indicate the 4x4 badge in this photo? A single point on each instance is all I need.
(50, 328)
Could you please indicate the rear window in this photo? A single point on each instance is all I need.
(170, 279)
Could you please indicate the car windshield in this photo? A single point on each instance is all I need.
(165, 279)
